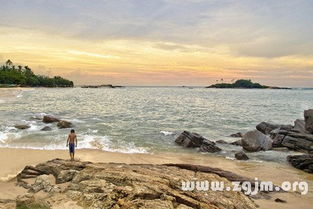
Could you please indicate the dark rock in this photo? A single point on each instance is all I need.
(46, 128)
(237, 143)
(22, 126)
(64, 124)
(49, 119)
(280, 200)
(241, 156)
(221, 141)
(209, 146)
(188, 139)
(266, 128)
(299, 126)
(302, 162)
(277, 136)
(239, 134)
(308, 118)
(298, 141)
(254, 141)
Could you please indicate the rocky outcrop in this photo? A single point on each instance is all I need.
(241, 156)
(64, 124)
(49, 119)
(254, 141)
(110, 185)
(188, 139)
(299, 126)
(22, 127)
(308, 118)
(237, 143)
(302, 162)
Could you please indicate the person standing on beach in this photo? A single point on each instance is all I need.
(72, 143)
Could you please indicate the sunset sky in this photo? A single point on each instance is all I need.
(161, 42)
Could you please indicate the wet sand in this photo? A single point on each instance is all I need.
(14, 160)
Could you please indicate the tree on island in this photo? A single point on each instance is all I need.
(24, 77)
(242, 83)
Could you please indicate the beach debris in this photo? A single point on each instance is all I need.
(236, 135)
(64, 124)
(254, 141)
(49, 119)
(22, 127)
(308, 118)
(241, 156)
(302, 162)
(118, 185)
(188, 139)
(46, 128)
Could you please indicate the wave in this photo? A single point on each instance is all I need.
(167, 133)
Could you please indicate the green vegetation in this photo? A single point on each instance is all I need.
(11, 75)
(245, 84)
(31, 206)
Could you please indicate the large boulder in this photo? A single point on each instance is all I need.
(266, 128)
(46, 128)
(241, 156)
(64, 124)
(49, 119)
(308, 118)
(188, 139)
(254, 141)
(302, 162)
(299, 141)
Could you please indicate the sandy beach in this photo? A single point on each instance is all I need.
(16, 159)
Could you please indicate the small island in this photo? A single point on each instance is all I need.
(101, 86)
(243, 84)
(19, 76)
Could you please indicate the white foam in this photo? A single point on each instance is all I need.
(167, 133)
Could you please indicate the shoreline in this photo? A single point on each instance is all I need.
(17, 159)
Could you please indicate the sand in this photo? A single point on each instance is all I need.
(14, 160)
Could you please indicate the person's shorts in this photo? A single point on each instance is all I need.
(71, 147)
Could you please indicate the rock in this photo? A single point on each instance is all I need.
(116, 185)
(299, 126)
(298, 141)
(302, 162)
(266, 128)
(187, 139)
(254, 141)
(221, 141)
(64, 124)
(280, 200)
(209, 146)
(241, 156)
(277, 136)
(46, 128)
(49, 119)
(239, 134)
(44, 183)
(308, 118)
(22, 126)
(237, 143)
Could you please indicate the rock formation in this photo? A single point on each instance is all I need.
(110, 185)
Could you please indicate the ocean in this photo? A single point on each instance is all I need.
(146, 119)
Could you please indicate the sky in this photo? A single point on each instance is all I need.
(161, 42)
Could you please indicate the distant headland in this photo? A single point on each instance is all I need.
(19, 76)
(102, 86)
(243, 84)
